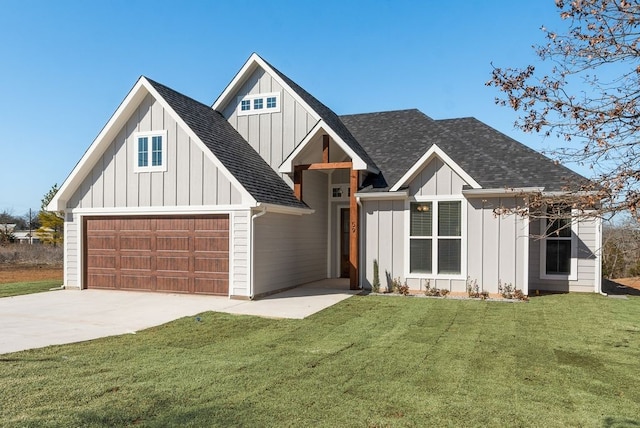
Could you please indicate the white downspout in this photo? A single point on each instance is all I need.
(599, 251)
(360, 246)
(253, 249)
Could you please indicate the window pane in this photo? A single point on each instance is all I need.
(271, 102)
(257, 104)
(420, 260)
(156, 154)
(559, 222)
(558, 256)
(245, 105)
(143, 151)
(421, 219)
(449, 218)
(449, 255)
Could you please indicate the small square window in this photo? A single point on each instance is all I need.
(271, 102)
(337, 192)
(245, 105)
(150, 154)
(257, 104)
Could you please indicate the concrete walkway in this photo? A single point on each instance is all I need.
(67, 316)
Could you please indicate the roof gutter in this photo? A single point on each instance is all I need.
(484, 193)
(280, 209)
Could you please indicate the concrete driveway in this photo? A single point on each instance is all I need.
(67, 316)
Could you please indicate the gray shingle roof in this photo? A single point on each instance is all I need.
(511, 163)
(235, 153)
(330, 118)
(397, 139)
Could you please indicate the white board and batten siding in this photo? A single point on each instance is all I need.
(192, 183)
(191, 179)
(289, 249)
(493, 246)
(274, 135)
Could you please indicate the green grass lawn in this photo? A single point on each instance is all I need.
(17, 288)
(562, 360)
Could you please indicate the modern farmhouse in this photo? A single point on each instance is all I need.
(268, 189)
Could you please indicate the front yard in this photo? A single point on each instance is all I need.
(563, 360)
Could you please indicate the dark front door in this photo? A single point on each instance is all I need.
(344, 243)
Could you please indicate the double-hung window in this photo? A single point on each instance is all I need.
(558, 245)
(435, 238)
(150, 151)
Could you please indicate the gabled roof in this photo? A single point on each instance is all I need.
(235, 153)
(318, 110)
(510, 163)
(227, 149)
(330, 119)
(397, 140)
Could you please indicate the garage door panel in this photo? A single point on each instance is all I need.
(102, 280)
(173, 284)
(135, 262)
(211, 224)
(211, 244)
(213, 265)
(135, 224)
(172, 243)
(173, 254)
(134, 281)
(180, 264)
(173, 224)
(102, 242)
(102, 261)
(135, 242)
(211, 286)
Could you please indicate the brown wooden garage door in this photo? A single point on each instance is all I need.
(171, 254)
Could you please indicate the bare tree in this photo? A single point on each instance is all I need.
(590, 97)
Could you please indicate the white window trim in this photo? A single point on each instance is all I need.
(463, 238)
(573, 276)
(264, 108)
(149, 167)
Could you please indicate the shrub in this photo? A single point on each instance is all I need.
(376, 277)
(434, 291)
(509, 291)
(400, 287)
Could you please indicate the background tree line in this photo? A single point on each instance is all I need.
(48, 226)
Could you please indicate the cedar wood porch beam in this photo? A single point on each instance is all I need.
(324, 165)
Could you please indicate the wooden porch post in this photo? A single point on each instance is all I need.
(297, 182)
(353, 231)
(325, 149)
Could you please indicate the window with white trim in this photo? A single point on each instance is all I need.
(259, 103)
(435, 237)
(150, 151)
(558, 255)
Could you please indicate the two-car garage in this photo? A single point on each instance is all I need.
(180, 254)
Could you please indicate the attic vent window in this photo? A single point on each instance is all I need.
(150, 151)
(259, 104)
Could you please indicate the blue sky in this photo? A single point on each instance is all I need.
(66, 65)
